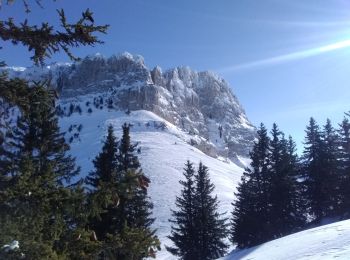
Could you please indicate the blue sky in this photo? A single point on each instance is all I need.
(286, 60)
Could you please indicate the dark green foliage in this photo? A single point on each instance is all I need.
(330, 167)
(286, 213)
(45, 39)
(198, 230)
(311, 167)
(138, 208)
(126, 156)
(183, 233)
(344, 166)
(320, 169)
(38, 208)
(250, 221)
(210, 227)
(120, 207)
(268, 203)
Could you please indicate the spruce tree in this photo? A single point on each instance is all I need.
(210, 226)
(250, 223)
(121, 227)
(41, 209)
(198, 230)
(330, 169)
(285, 215)
(318, 175)
(105, 194)
(183, 233)
(39, 206)
(344, 166)
(299, 201)
(137, 208)
(311, 167)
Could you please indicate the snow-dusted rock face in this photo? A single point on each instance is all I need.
(200, 103)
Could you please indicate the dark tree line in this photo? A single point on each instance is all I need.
(281, 193)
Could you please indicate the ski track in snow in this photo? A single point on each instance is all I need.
(163, 155)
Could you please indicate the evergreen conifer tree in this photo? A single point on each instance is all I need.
(285, 215)
(330, 168)
(198, 230)
(41, 209)
(138, 207)
(344, 166)
(317, 176)
(105, 194)
(122, 227)
(183, 233)
(268, 203)
(250, 221)
(210, 226)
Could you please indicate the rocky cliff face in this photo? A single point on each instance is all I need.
(200, 103)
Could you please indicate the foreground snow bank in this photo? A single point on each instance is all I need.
(325, 242)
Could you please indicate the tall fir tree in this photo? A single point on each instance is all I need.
(344, 166)
(198, 230)
(285, 214)
(299, 202)
(317, 174)
(250, 223)
(138, 208)
(311, 167)
(42, 210)
(330, 168)
(183, 233)
(211, 228)
(114, 188)
(105, 194)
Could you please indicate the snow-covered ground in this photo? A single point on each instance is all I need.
(163, 155)
(322, 243)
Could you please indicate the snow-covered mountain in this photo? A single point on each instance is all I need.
(321, 243)
(176, 115)
(200, 103)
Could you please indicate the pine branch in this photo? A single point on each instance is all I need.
(44, 40)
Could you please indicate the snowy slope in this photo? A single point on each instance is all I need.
(163, 154)
(321, 243)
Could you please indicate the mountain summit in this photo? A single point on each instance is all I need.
(200, 103)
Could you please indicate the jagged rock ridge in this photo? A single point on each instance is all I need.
(201, 103)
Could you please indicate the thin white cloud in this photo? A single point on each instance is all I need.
(288, 57)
